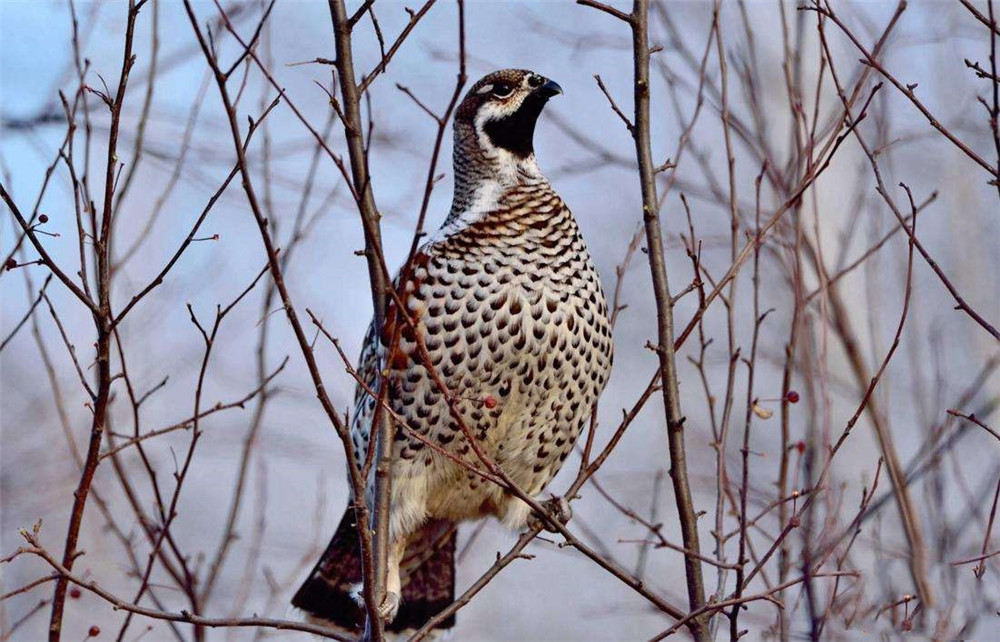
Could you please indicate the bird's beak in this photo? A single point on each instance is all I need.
(549, 89)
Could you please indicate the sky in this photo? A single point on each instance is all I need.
(557, 594)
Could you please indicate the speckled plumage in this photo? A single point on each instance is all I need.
(511, 311)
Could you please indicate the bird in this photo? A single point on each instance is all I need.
(505, 306)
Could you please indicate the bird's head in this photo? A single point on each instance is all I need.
(498, 115)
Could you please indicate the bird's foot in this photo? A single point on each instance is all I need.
(390, 606)
(387, 609)
(558, 508)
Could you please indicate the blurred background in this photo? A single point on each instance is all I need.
(293, 473)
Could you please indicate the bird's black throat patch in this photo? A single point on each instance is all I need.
(516, 132)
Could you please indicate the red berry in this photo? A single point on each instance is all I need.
(11, 264)
(906, 625)
(794, 522)
(43, 218)
(793, 397)
(800, 446)
(75, 593)
(94, 632)
(490, 402)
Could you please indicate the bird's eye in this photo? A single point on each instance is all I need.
(502, 90)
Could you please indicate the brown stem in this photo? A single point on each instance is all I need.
(305, 345)
(382, 428)
(102, 321)
(665, 318)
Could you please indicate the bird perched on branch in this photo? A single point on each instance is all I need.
(501, 353)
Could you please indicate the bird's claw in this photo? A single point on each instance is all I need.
(387, 609)
(557, 508)
(389, 606)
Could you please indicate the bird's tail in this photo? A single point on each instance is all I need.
(427, 573)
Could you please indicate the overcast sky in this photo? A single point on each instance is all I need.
(558, 594)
